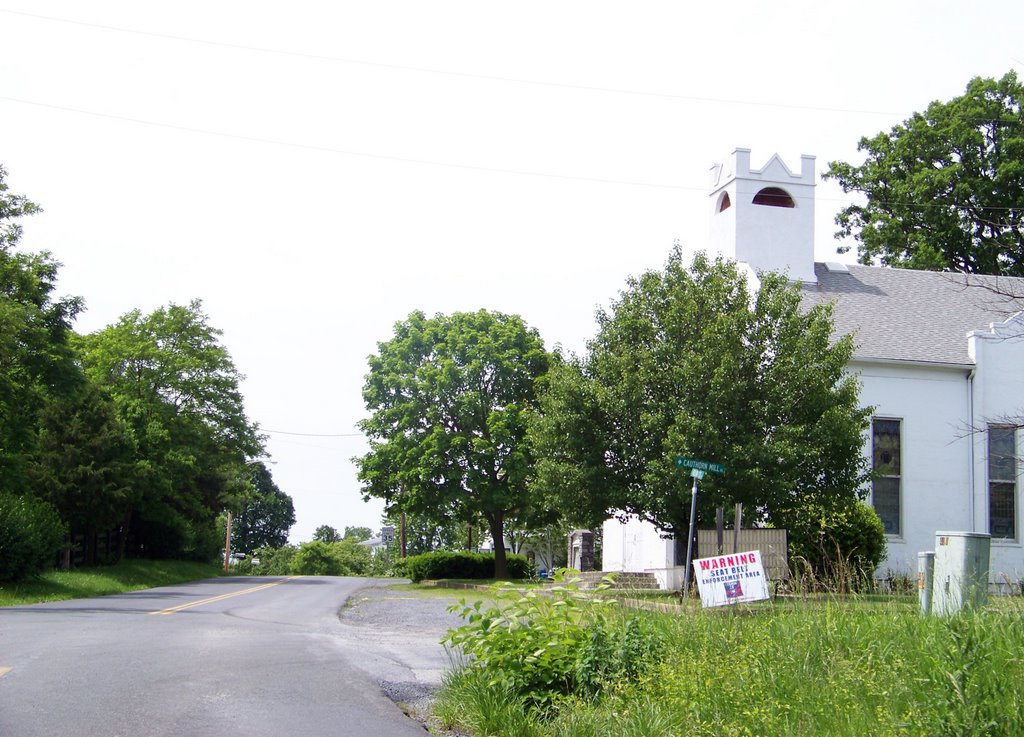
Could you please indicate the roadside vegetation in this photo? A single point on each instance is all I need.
(462, 566)
(315, 558)
(129, 575)
(578, 664)
(344, 556)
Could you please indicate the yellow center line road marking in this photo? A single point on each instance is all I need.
(210, 600)
(4, 671)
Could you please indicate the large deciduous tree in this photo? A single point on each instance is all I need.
(945, 188)
(176, 389)
(689, 362)
(448, 398)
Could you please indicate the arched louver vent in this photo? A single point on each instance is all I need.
(774, 197)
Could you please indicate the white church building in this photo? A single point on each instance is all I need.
(940, 358)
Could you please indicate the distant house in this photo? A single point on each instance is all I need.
(375, 545)
(544, 554)
(940, 357)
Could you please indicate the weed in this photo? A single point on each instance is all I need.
(545, 645)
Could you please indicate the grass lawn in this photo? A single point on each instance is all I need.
(130, 575)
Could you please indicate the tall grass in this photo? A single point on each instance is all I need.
(819, 665)
(842, 670)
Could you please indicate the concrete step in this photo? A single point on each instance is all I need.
(623, 579)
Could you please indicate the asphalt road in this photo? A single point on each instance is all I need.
(241, 656)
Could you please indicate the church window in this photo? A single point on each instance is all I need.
(1002, 481)
(885, 489)
(774, 197)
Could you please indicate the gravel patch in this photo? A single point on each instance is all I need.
(395, 637)
(387, 608)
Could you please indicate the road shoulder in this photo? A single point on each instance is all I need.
(398, 636)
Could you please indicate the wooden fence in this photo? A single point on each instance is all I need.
(772, 544)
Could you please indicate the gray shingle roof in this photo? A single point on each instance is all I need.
(905, 315)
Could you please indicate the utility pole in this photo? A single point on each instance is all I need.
(227, 542)
(401, 522)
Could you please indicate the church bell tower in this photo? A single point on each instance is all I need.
(764, 217)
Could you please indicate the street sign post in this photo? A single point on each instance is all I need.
(697, 470)
(387, 534)
(699, 465)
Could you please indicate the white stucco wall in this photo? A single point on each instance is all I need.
(943, 414)
(998, 397)
(634, 546)
(931, 404)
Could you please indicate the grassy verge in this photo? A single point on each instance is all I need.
(126, 576)
(480, 584)
(429, 590)
(844, 667)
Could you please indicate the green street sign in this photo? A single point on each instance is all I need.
(699, 465)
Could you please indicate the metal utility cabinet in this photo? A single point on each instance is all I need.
(961, 571)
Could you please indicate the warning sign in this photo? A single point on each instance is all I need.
(731, 579)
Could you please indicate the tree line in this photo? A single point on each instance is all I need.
(127, 442)
(472, 421)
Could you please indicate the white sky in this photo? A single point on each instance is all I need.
(313, 171)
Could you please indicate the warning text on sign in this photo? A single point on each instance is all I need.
(731, 579)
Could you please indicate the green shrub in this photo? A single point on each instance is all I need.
(31, 535)
(244, 568)
(546, 645)
(355, 559)
(846, 542)
(445, 564)
(274, 561)
(315, 559)
(617, 649)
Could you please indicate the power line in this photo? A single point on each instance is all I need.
(347, 152)
(428, 162)
(449, 72)
(285, 432)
